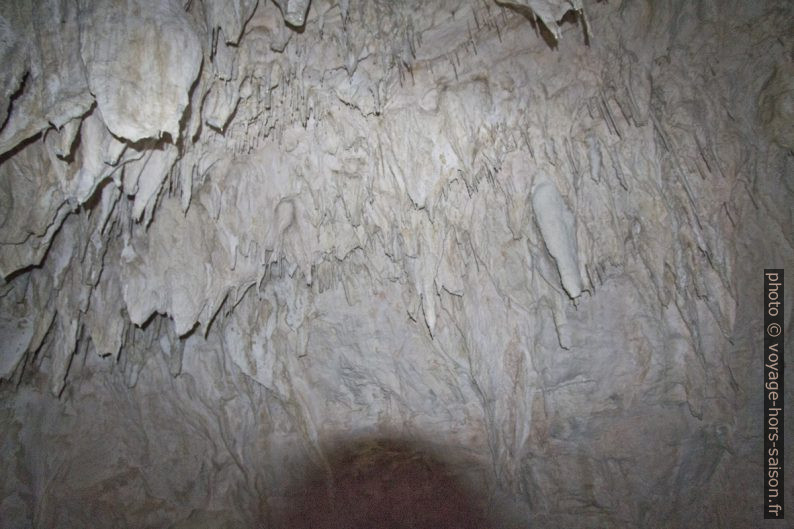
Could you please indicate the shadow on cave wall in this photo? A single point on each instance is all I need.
(386, 484)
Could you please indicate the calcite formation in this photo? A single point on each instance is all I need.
(521, 239)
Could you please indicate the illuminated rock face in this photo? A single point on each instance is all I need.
(516, 247)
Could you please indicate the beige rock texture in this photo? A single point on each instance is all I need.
(265, 256)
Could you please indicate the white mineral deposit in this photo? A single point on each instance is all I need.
(390, 263)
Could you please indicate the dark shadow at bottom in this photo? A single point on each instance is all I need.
(384, 484)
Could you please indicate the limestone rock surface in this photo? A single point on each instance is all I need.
(251, 249)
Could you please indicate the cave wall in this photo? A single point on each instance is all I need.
(527, 236)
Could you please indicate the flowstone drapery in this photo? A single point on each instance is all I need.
(523, 239)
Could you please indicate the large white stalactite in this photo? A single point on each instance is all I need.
(239, 237)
